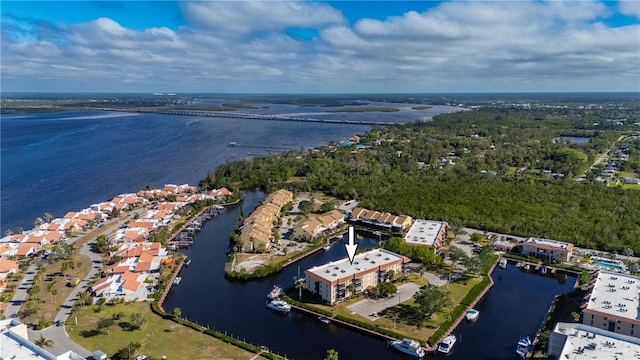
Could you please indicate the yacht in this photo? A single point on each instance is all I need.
(409, 346)
(519, 264)
(177, 280)
(326, 247)
(447, 344)
(472, 314)
(324, 319)
(527, 267)
(523, 346)
(279, 305)
(503, 263)
(543, 270)
(188, 262)
(274, 293)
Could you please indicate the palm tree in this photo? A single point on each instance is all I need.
(133, 347)
(43, 342)
(299, 284)
(48, 216)
(177, 312)
(9, 232)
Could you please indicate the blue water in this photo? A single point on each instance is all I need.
(65, 161)
(514, 307)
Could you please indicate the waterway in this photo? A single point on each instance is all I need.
(515, 306)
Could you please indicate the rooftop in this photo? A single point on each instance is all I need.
(423, 232)
(615, 294)
(587, 342)
(549, 243)
(363, 262)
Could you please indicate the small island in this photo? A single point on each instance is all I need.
(421, 107)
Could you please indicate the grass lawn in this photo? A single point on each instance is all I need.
(53, 274)
(157, 336)
(458, 290)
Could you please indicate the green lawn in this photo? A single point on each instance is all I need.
(158, 336)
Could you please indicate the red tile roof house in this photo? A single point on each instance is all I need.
(25, 250)
(127, 285)
(6, 267)
(8, 249)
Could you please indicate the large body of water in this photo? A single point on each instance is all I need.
(66, 161)
(515, 306)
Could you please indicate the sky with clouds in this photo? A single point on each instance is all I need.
(320, 46)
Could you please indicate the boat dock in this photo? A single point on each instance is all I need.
(184, 237)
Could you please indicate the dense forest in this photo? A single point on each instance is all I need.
(502, 170)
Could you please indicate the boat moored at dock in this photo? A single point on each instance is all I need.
(177, 280)
(472, 314)
(523, 346)
(274, 293)
(279, 305)
(503, 263)
(447, 344)
(409, 346)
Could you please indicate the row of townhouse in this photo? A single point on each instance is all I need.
(126, 278)
(316, 225)
(255, 235)
(381, 220)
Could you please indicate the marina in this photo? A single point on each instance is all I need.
(240, 304)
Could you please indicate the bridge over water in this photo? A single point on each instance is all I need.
(238, 115)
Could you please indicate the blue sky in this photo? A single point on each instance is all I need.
(320, 47)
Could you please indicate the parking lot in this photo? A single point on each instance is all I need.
(369, 308)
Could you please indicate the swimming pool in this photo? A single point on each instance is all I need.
(609, 266)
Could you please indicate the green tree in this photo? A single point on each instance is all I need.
(305, 206)
(476, 237)
(43, 342)
(328, 206)
(331, 355)
(177, 312)
(429, 300)
(102, 244)
(299, 284)
(397, 245)
(386, 288)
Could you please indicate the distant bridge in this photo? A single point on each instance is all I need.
(238, 115)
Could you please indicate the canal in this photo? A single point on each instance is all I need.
(515, 306)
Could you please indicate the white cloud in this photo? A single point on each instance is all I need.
(629, 7)
(243, 46)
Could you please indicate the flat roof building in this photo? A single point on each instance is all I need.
(427, 232)
(337, 280)
(15, 344)
(574, 341)
(547, 250)
(612, 304)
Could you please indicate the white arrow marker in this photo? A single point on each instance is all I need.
(351, 246)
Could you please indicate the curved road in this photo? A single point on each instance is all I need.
(57, 332)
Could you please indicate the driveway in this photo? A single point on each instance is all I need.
(368, 307)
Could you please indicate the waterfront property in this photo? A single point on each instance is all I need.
(579, 341)
(613, 303)
(340, 279)
(427, 232)
(547, 250)
(316, 225)
(608, 264)
(256, 234)
(380, 220)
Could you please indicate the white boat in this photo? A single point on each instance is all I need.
(472, 314)
(279, 305)
(324, 319)
(409, 346)
(503, 263)
(527, 267)
(274, 293)
(523, 346)
(543, 270)
(177, 280)
(519, 264)
(188, 262)
(447, 344)
(326, 247)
